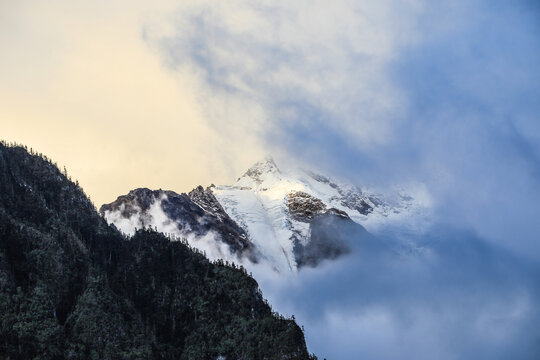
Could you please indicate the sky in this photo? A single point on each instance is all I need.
(79, 83)
(168, 94)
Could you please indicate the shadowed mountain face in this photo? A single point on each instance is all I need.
(269, 216)
(332, 233)
(197, 214)
(72, 287)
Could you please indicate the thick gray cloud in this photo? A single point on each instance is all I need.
(455, 297)
(384, 91)
(395, 91)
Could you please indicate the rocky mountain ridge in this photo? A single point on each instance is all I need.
(266, 217)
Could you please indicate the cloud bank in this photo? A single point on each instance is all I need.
(384, 91)
(455, 297)
(388, 92)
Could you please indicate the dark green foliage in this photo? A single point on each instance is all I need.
(103, 326)
(71, 287)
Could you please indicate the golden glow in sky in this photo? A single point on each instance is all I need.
(79, 84)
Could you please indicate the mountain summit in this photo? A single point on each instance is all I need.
(262, 169)
(282, 217)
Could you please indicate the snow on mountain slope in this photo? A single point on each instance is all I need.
(264, 219)
(276, 206)
(198, 217)
(271, 215)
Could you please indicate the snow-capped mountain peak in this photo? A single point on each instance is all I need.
(261, 171)
(278, 216)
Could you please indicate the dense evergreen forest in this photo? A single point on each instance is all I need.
(72, 287)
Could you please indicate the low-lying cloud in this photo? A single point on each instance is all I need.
(382, 92)
(209, 243)
(454, 297)
(389, 91)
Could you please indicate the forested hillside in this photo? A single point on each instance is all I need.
(73, 287)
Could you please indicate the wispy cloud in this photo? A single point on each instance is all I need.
(303, 63)
(392, 91)
(383, 91)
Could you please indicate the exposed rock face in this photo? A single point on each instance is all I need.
(303, 206)
(197, 214)
(350, 197)
(216, 219)
(326, 240)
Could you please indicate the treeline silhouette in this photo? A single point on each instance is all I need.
(73, 287)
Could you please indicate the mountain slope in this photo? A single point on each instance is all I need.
(272, 211)
(71, 287)
(197, 215)
(277, 208)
